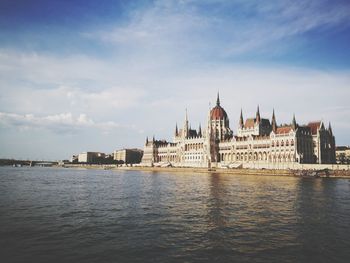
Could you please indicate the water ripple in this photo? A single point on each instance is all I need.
(64, 215)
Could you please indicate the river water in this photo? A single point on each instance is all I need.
(73, 215)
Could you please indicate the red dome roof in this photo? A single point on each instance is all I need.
(218, 113)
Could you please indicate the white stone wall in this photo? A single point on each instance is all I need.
(83, 158)
(295, 166)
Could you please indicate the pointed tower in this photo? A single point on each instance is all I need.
(241, 123)
(176, 131)
(146, 140)
(218, 100)
(330, 129)
(200, 131)
(257, 118)
(322, 126)
(185, 129)
(273, 121)
(332, 154)
(294, 123)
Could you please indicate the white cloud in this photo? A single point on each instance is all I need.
(58, 123)
(147, 96)
(188, 29)
(42, 83)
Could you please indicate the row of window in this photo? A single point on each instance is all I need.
(282, 143)
(193, 157)
(195, 146)
(260, 157)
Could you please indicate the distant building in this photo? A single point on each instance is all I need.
(74, 159)
(91, 157)
(323, 143)
(343, 154)
(128, 156)
(258, 141)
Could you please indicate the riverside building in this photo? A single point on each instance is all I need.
(257, 142)
(128, 156)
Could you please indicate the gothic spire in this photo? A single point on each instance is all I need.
(330, 128)
(241, 124)
(218, 100)
(294, 123)
(273, 121)
(176, 130)
(258, 115)
(185, 128)
(146, 140)
(200, 130)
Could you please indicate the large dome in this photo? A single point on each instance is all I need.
(218, 113)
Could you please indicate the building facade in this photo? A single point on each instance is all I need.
(257, 140)
(128, 156)
(343, 154)
(91, 157)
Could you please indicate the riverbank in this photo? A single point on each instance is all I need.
(259, 172)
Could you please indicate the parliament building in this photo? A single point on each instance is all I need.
(257, 142)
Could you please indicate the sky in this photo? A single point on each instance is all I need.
(86, 75)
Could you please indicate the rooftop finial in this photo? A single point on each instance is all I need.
(241, 119)
(258, 114)
(218, 100)
(176, 130)
(294, 122)
(273, 121)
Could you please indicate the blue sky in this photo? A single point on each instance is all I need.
(101, 75)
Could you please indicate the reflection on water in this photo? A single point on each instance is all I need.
(49, 214)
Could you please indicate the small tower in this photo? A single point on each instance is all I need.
(294, 123)
(273, 121)
(185, 129)
(200, 131)
(218, 100)
(330, 129)
(322, 126)
(176, 131)
(241, 123)
(146, 140)
(257, 119)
